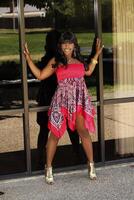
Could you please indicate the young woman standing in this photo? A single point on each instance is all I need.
(71, 102)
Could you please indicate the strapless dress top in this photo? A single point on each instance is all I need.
(73, 70)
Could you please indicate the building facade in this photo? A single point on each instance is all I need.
(111, 85)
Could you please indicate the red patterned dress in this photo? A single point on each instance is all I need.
(70, 99)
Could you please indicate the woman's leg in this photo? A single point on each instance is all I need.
(85, 137)
(87, 145)
(51, 149)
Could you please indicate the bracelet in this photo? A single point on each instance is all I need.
(94, 61)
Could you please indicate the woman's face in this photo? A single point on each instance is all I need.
(67, 48)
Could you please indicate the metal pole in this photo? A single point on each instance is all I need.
(98, 30)
(53, 13)
(13, 5)
(21, 25)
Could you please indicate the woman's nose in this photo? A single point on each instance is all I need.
(67, 45)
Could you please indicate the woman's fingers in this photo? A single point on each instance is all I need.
(26, 48)
(99, 46)
(98, 42)
(26, 51)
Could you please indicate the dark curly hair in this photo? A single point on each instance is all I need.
(60, 57)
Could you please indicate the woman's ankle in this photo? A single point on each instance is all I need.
(48, 166)
(91, 170)
(49, 175)
(90, 162)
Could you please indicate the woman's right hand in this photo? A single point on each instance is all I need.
(26, 52)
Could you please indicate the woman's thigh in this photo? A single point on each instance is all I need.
(80, 126)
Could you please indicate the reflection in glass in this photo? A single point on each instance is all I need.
(119, 130)
(118, 54)
(12, 156)
(78, 18)
(41, 18)
(10, 68)
(123, 45)
(10, 94)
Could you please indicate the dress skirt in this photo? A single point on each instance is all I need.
(70, 99)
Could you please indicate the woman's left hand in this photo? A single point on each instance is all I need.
(26, 52)
(99, 47)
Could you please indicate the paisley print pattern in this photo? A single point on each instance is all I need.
(71, 98)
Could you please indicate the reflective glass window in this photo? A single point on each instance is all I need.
(119, 131)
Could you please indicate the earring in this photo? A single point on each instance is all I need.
(74, 52)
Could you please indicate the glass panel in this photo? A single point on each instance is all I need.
(119, 131)
(40, 20)
(118, 37)
(10, 68)
(68, 15)
(12, 154)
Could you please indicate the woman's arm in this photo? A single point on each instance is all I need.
(39, 74)
(94, 60)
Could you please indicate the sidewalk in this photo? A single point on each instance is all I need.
(114, 182)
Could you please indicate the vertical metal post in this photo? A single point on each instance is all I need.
(98, 30)
(21, 25)
(13, 5)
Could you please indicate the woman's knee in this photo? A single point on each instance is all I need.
(53, 137)
(80, 127)
(83, 132)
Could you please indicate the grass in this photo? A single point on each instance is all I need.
(10, 42)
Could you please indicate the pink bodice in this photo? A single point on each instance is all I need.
(73, 70)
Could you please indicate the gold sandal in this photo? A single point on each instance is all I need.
(91, 171)
(49, 175)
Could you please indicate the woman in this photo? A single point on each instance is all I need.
(71, 103)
